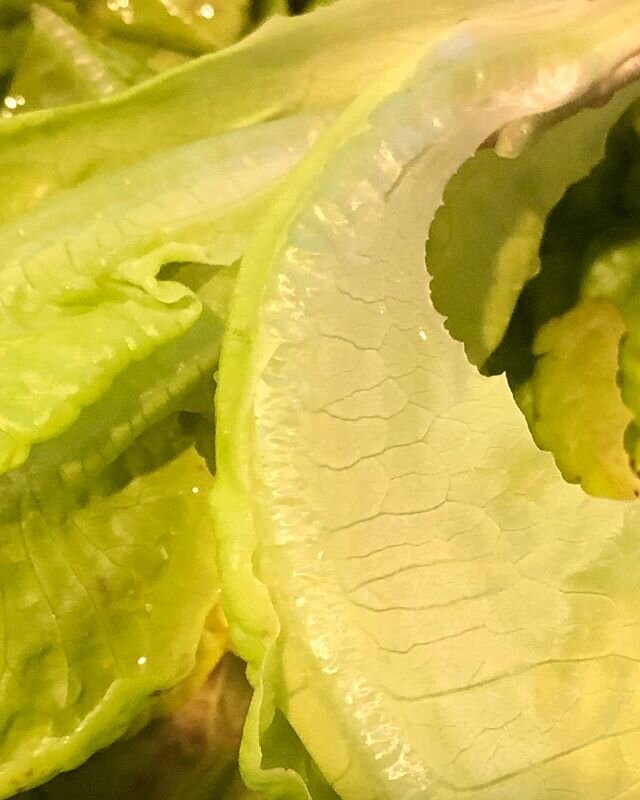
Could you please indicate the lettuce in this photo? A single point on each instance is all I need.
(62, 52)
(241, 414)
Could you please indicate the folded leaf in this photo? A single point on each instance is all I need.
(63, 277)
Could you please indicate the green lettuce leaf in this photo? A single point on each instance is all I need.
(418, 593)
(315, 62)
(90, 627)
(60, 65)
(63, 276)
(583, 300)
(585, 430)
(109, 348)
(513, 196)
(69, 52)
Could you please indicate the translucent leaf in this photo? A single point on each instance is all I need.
(434, 610)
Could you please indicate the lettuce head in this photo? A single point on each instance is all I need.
(320, 408)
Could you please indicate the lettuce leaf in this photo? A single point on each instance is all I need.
(316, 62)
(60, 65)
(106, 347)
(568, 351)
(368, 474)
